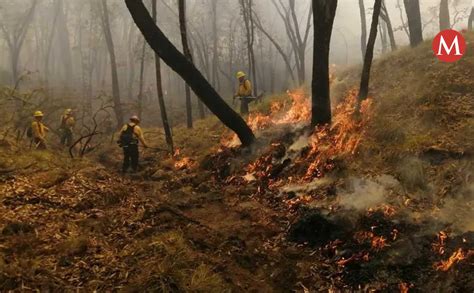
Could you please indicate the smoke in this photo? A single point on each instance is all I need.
(458, 211)
(362, 193)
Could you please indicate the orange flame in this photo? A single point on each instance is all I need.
(456, 257)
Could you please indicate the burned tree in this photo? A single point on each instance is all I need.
(363, 26)
(444, 19)
(188, 55)
(386, 18)
(113, 63)
(186, 69)
(369, 55)
(323, 20)
(412, 8)
(159, 90)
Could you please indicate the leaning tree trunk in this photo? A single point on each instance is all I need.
(323, 20)
(444, 21)
(113, 64)
(369, 55)
(412, 8)
(141, 81)
(363, 24)
(386, 18)
(187, 53)
(159, 90)
(186, 69)
(471, 20)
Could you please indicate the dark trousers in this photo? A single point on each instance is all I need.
(39, 144)
(130, 157)
(66, 137)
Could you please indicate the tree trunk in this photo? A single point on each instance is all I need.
(386, 18)
(363, 23)
(369, 55)
(215, 55)
(113, 64)
(141, 82)
(323, 19)
(246, 6)
(444, 18)
(186, 69)
(412, 8)
(159, 90)
(64, 45)
(187, 54)
(471, 20)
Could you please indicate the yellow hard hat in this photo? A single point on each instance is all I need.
(38, 114)
(240, 74)
(68, 111)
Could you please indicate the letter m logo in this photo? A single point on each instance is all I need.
(449, 46)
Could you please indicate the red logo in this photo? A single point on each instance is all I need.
(449, 46)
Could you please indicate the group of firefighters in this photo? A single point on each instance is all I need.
(131, 135)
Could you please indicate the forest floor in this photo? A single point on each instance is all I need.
(379, 202)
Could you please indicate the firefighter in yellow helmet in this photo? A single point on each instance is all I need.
(67, 126)
(38, 131)
(130, 136)
(244, 92)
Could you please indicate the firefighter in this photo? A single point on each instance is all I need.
(38, 131)
(67, 126)
(130, 136)
(244, 93)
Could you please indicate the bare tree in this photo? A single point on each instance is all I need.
(369, 55)
(247, 12)
(323, 20)
(15, 37)
(363, 24)
(187, 53)
(444, 18)
(113, 63)
(412, 8)
(186, 69)
(298, 39)
(159, 89)
(386, 18)
(141, 80)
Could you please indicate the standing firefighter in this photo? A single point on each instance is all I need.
(130, 136)
(67, 126)
(38, 131)
(244, 93)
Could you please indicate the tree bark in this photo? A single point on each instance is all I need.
(187, 54)
(113, 64)
(159, 90)
(444, 19)
(369, 55)
(412, 8)
(65, 45)
(363, 23)
(247, 9)
(186, 69)
(323, 20)
(141, 81)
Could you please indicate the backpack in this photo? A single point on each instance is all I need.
(127, 136)
(29, 132)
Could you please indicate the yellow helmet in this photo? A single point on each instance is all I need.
(38, 114)
(240, 74)
(68, 111)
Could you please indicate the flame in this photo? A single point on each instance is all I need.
(376, 242)
(404, 287)
(456, 257)
(439, 246)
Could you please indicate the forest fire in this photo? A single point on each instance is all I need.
(182, 163)
(456, 257)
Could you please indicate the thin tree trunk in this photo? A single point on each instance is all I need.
(363, 24)
(141, 81)
(369, 55)
(412, 8)
(323, 19)
(64, 45)
(113, 64)
(386, 18)
(444, 19)
(471, 20)
(187, 54)
(186, 69)
(159, 90)
(215, 55)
